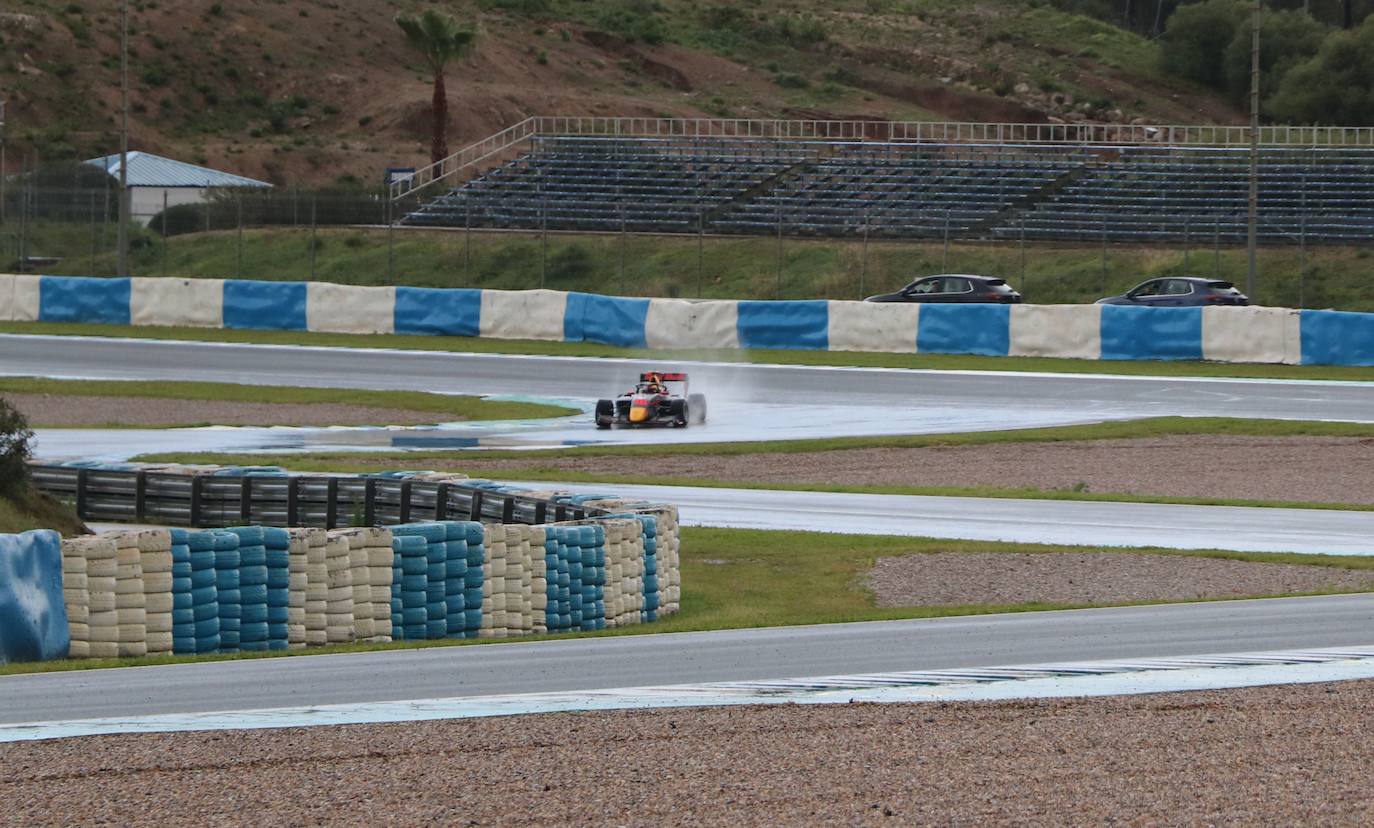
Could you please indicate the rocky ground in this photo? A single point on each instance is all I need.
(1309, 469)
(1296, 755)
(1010, 578)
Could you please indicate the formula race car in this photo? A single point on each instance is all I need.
(651, 403)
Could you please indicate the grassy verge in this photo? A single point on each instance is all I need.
(729, 267)
(735, 579)
(34, 510)
(444, 407)
(941, 362)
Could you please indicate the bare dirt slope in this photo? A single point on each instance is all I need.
(308, 92)
(1264, 756)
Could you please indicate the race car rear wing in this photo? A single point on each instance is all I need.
(676, 377)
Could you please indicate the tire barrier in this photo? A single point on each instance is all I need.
(33, 618)
(220, 496)
(254, 587)
(1255, 334)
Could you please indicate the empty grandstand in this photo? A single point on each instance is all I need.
(856, 185)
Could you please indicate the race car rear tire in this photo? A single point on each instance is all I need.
(605, 413)
(696, 404)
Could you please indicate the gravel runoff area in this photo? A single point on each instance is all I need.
(1308, 469)
(1010, 578)
(1288, 755)
(76, 411)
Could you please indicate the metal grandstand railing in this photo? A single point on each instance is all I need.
(865, 130)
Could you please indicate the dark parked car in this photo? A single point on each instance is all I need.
(1179, 291)
(953, 287)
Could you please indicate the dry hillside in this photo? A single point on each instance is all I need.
(311, 91)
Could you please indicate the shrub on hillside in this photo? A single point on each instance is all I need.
(1336, 86)
(1287, 39)
(1198, 36)
(14, 450)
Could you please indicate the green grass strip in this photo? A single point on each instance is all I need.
(739, 578)
(945, 362)
(443, 406)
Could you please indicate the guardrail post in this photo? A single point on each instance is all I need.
(81, 476)
(475, 509)
(331, 509)
(293, 496)
(197, 487)
(441, 502)
(370, 502)
(508, 510)
(405, 501)
(246, 499)
(560, 513)
(140, 495)
(541, 511)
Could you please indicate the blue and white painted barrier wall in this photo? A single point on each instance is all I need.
(1254, 334)
(33, 617)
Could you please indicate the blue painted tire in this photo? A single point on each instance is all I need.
(436, 572)
(436, 553)
(222, 541)
(276, 538)
(229, 614)
(207, 627)
(436, 629)
(431, 532)
(277, 644)
(248, 535)
(227, 559)
(181, 569)
(204, 594)
(182, 601)
(416, 632)
(436, 592)
(200, 542)
(253, 575)
(278, 615)
(181, 630)
(408, 545)
(278, 597)
(456, 568)
(456, 604)
(253, 594)
(415, 565)
(205, 612)
(472, 617)
(183, 646)
(474, 577)
(413, 600)
(253, 614)
(209, 644)
(414, 583)
(203, 578)
(278, 631)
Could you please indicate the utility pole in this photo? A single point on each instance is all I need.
(1253, 219)
(122, 232)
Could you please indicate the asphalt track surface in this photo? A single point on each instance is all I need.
(732, 655)
(1014, 520)
(746, 402)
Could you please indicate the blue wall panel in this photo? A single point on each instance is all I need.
(84, 299)
(437, 312)
(964, 329)
(33, 617)
(610, 320)
(1337, 338)
(274, 306)
(1151, 333)
(793, 325)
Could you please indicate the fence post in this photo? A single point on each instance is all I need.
(1025, 286)
(164, 232)
(778, 287)
(331, 508)
(314, 197)
(197, 490)
(239, 201)
(441, 502)
(140, 495)
(93, 242)
(944, 264)
(1187, 242)
(246, 499)
(390, 245)
(467, 240)
(81, 475)
(404, 512)
(863, 260)
(370, 502)
(1216, 248)
(623, 239)
(1104, 256)
(293, 501)
(475, 507)
(701, 250)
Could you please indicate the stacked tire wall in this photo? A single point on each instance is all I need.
(251, 589)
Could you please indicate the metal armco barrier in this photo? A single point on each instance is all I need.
(329, 502)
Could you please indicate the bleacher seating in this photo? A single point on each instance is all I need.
(753, 186)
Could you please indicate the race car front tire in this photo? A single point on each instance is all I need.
(605, 413)
(680, 412)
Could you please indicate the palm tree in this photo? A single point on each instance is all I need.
(440, 39)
